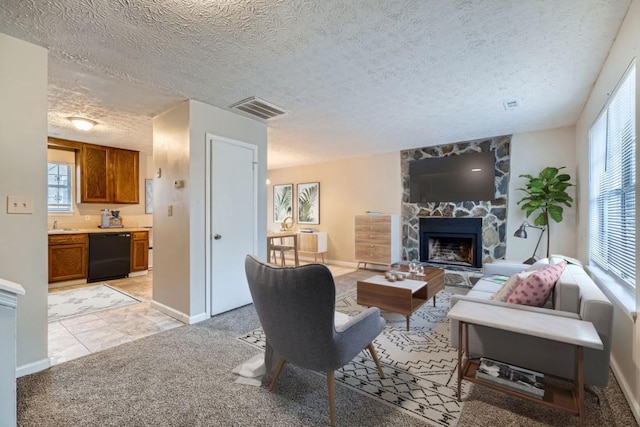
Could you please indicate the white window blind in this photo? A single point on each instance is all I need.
(59, 190)
(612, 189)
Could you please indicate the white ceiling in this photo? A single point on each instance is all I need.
(358, 76)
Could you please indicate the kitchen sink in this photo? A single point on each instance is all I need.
(62, 229)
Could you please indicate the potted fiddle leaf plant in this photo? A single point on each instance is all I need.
(545, 195)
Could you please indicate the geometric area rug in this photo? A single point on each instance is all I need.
(419, 365)
(76, 302)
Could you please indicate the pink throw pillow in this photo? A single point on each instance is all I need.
(536, 288)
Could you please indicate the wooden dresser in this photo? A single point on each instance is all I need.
(377, 239)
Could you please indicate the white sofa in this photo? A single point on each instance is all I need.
(575, 295)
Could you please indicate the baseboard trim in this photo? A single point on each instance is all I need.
(138, 273)
(626, 390)
(178, 315)
(33, 367)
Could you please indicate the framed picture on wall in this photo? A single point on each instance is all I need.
(309, 203)
(282, 202)
(148, 196)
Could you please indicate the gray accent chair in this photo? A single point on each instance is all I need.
(296, 306)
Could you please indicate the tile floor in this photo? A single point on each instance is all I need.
(82, 335)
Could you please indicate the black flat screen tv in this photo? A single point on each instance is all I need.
(456, 178)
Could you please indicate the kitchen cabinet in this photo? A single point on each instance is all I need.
(108, 175)
(139, 250)
(68, 257)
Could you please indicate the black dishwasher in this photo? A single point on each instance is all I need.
(109, 256)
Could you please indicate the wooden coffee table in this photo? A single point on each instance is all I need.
(403, 297)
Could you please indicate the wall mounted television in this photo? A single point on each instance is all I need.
(456, 178)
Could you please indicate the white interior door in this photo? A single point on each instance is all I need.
(233, 220)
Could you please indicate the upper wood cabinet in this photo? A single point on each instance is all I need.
(95, 175)
(108, 175)
(125, 176)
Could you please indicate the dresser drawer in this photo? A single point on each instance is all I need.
(373, 255)
(67, 239)
(373, 238)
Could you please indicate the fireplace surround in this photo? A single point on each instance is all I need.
(451, 241)
(492, 213)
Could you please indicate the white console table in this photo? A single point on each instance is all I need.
(562, 329)
(9, 292)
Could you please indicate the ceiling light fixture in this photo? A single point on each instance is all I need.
(82, 123)
(476, 170)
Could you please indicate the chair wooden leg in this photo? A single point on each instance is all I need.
(331, 391)
(372, 350)
(276, 374)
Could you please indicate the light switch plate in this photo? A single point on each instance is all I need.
(19, 205)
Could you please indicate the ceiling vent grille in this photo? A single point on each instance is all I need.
(259, 108)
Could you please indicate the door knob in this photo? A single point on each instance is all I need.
(217, 236)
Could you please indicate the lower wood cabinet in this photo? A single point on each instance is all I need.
(139, 250)
(68, 257)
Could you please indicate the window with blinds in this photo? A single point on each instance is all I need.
(612, 184)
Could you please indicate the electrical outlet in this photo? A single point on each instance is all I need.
(87, 217)
(170, 210)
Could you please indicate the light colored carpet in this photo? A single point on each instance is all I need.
(76, 302)
(419, 364)
(182, 377)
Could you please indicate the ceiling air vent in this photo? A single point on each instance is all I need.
(259, 108)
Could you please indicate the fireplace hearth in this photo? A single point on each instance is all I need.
(451, 241)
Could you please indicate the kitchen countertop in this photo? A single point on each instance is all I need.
(95, 230)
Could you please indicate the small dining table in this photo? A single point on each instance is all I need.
(272, 235)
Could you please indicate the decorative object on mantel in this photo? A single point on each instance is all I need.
(309, 203)
(522, 233)
(546, 193)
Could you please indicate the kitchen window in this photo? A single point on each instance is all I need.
(59, 187)
(612, 186)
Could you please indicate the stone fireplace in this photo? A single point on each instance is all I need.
(451, 241)
(490, 240)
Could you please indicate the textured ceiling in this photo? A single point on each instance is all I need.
(358, 76)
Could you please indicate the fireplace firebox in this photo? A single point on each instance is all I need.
(451, 241)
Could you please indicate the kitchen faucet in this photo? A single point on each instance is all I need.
(55, 225)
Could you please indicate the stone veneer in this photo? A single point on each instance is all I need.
(493, 213)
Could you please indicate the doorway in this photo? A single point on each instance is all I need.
(232, 220)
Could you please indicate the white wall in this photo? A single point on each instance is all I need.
(530, 153)
(171, 275)
(179, 241)
(625, 350)
(23, 142)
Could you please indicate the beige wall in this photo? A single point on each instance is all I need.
(530, 153)
(626, 333)
(179, 137)
(352, 186)
(132, 215)
(23, 143)
(347, 188)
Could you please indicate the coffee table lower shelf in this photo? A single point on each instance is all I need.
(555, 396)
